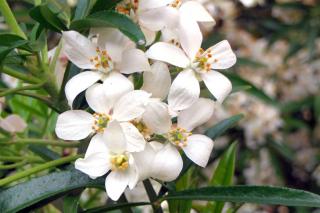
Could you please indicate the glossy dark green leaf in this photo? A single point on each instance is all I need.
(8, 42)
(82, 9)
(37, 189)
(223, 126)
(104, 5)
(223, 174)
(250, 194)
(71, 203)
(47, 18)
(111, 19)
(237, 81)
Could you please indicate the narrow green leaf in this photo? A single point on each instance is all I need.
(82, 9)
(71, 203)
(111, 19)
(47, 18)
(223, 174)
(223, 126)
(250, 194)
(23, 195)
(104, 5)
(8, 42)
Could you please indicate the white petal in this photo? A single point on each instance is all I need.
(184, 91)
(196, 115)
(169, 53)
(79, 49)
(134, 60)
(135, 140)
(97, 145)
(131, 105)
(144, 161)
(116, 183)
(79, 83)
(219, 85)
(156, 19)
(157, 117)
(74, 125)
(149, 4)
(167, 164)
(13, 123)
(190, 36)
(115, 86)
(96, 99)
(149, 35)
(157, 81)
(115, 138)
(199, 13)
(198, 149)
(94, 165)
(222, 56)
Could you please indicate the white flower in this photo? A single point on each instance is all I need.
(197, 64)
(13, 123)
(110, 103)
(61, 64)
(110, 152)
(151, 15)
(111, 55)
(197, 147)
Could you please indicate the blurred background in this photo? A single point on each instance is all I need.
(276, 86)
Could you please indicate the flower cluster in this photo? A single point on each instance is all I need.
(138, 133)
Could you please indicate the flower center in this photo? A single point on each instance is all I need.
(102, 61)
(203, 61)
(119, 162)
(143, 129)
(101, 121)
(125, 7)
(178, 136)
(176, 3)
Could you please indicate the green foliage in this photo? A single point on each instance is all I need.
(47, 18)
(111, 19)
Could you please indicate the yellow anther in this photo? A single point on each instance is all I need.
(101, 121)
(119, 162)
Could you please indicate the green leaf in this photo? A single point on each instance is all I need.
(223, 126)
(8, 42)
(250, 194)
(82, 9)
(38, 189)
(104, 5)
(237, 81)
(71, 203)
(47, 18)
(111, 19)
(223, 174)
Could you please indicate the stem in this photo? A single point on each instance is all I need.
(152, 196)
(18, 158)
(17, 89)
(19, 75)
(10, 19)
(41, 142)
(36, 169)
(12, 166)
(44, 99)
